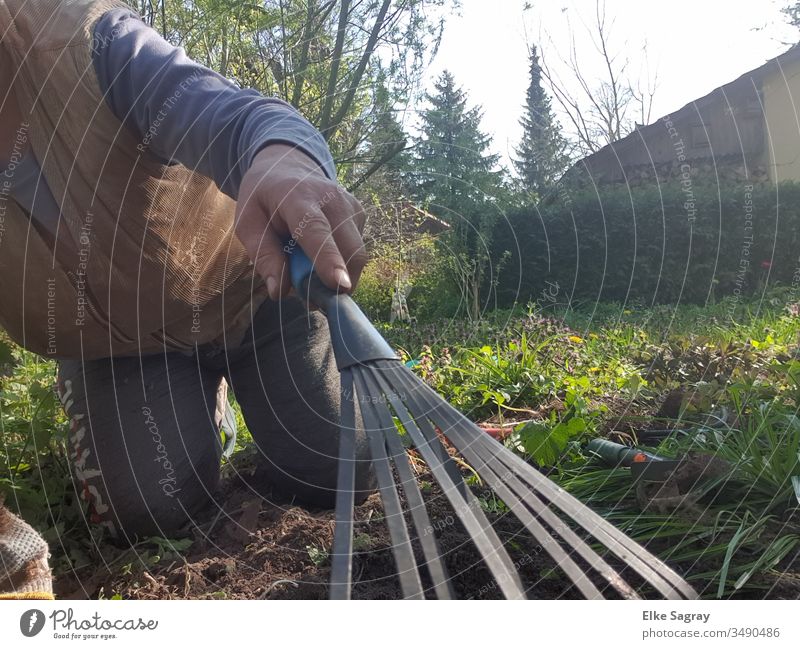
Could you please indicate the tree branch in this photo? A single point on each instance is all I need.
(333, 77)
(358, 74)
(385, 158)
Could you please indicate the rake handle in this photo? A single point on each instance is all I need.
(355, 341)
(304, 280)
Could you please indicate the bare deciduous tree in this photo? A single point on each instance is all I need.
(604, 109)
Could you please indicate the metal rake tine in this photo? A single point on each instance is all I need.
(342, 560)
(659, 575)
(531, 511)
(528, 517)
(419, 513)
(407, 571)
(655, 571)
(467, 508)
(435, 443)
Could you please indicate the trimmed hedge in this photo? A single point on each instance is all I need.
(682, 242)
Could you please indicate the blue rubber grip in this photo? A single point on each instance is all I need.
(300, 266)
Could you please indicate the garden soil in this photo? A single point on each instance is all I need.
(270, 548)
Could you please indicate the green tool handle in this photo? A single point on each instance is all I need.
(619, 454)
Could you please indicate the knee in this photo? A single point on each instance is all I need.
(316, 486)
(172, 517)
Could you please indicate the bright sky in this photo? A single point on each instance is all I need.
(694, 45)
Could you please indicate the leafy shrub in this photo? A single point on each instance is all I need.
(435, 295)
(413, 264)
(374, 295)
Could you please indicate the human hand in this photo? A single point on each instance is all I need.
(286, 194)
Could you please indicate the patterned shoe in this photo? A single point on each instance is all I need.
(24, 572)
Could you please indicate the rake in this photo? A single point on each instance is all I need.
(388, 393)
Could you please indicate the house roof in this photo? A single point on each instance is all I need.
(642, 132)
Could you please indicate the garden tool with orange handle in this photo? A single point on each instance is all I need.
(643, 465)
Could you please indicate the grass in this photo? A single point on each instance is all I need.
(735, 525)
(719, 381)
(566, 377)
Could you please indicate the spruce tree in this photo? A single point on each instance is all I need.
(455, 177)
(542, 156)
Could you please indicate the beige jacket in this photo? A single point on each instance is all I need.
(146, 257)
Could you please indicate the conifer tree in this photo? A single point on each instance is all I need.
(456, 177)
(541, 155)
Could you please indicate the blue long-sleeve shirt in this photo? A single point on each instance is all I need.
(181, 112)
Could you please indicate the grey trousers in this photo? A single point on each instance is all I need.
(145, 444)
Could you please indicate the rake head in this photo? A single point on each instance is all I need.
(387, 392)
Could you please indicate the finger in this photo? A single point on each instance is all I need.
(271, 263)
(264, 245)
(313, 232)
(351, 246)
(285, 277)
(347, 236)
(359, 213)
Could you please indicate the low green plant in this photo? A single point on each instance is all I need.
(319, 556)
